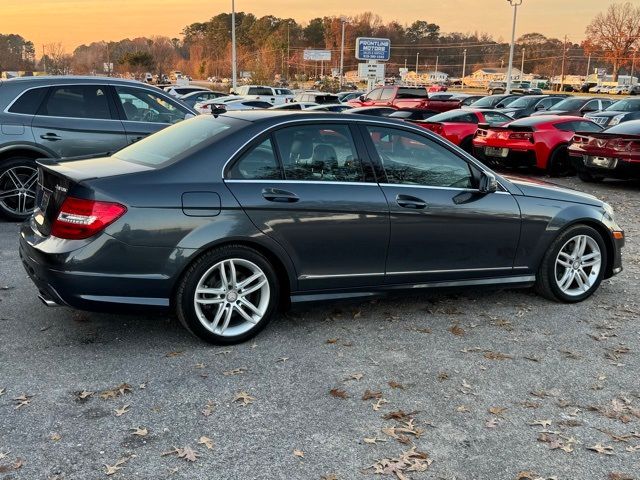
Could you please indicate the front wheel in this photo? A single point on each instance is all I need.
(228, 295)
(573, 266)
(18, 182)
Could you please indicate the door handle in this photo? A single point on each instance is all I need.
(407, 201)
(50, 136)
(136, 139)
(277, 195)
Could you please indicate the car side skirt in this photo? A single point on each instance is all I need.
(515, 281)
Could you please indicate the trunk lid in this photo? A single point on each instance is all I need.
(58, 179)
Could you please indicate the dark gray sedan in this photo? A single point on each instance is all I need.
(225, 218)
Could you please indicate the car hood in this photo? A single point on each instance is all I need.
(533, 187)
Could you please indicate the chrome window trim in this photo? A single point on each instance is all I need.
(436, 187)
(418, 130)
(313, 182)
(55, 85)
(340, 275)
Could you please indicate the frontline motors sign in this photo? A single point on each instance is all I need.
(373, 48)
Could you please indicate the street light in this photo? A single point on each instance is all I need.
(234, 67)
(344, 23)
(515, 4)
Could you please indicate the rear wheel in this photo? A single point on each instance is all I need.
(559, 163)
(467, 144)
(18, 181)
(574, 265)
(228, 295)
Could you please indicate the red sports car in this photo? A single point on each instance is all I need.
(539, 142)
(612, 153)
(459, 126)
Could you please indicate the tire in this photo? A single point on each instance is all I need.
(18, 182)
(551, 281)
(467, 144)
(588, 178)
(559, 164)
(208, 317)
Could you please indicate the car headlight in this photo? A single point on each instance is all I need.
(616, 120)
(608, 210)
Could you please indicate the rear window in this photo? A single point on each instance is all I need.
(260, 91)
(29, 102)
(626, 128)
(625, 106)
(455, 116)
(176, 141)
(411, 93)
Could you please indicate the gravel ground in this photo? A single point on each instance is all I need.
(484, 385)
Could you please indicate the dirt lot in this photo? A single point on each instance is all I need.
(486, 385)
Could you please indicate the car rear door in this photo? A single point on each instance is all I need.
(144, 111)
(78, 120)
(311, 188)
(442, 227)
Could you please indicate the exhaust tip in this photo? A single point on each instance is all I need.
(47, 302)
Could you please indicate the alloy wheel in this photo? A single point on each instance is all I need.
(578, 265)
(232, 297)
(17, 189)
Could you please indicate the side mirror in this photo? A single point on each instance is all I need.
(362, 98)
(488, 183)
(540, 107)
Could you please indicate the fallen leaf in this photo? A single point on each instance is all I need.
(394, 384)
(235, 371)
(282, 359)
(84, 394)
(491, 423)
(174, 354)
(354, 376)
(619, 476)
(115, 391)
(298, 453)
(243, 398)
(497, 411)
(368, 395)
(56, 437)
(373, 440)
(331, 341)
(496, 356)
(112, 469)
(22, 401)
(408, 461)
(462, 409)
(122, 410)
(457, 330)
(140, 432)
(2, 391)
(199, 365)
(541, 423)
(337, 393)
(378, 404)
(186, 453)
(602, 449)
(208, 408)
(206, 441)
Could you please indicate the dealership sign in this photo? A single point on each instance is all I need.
(317, 55)
(373, 48)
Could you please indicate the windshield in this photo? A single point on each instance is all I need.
(570, 104)
(624, 106)
(172, 142)
(523, 102)
(451, 115)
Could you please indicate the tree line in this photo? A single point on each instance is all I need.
(270, 46)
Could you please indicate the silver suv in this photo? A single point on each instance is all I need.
(62, 117)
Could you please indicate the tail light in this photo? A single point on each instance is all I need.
(521, 136)
(623, 145)
(580, 140)
(80, 218)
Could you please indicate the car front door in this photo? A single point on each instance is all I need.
(78, 120)
(144, 112)
(311, 189)
(442, 227)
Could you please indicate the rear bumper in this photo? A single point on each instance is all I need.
(623, 169)
(515, 158)
(87, 278)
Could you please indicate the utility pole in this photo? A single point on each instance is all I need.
(522, 65)
(344, 23)
(514, 4)
(288, 49)
(588, 68)
(464, 67)
(417, 64)
(633, 67)
(437, 58)
(234, 66)
(564, 56)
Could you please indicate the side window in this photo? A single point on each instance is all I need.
(587, 127)
(260, 163)
(144, 106)
(387, 93)
(374, 94)
(566, 126)
(260, 91)
(466, 118)
(410, 159)
(592, 106)
(495, 118)
(77, 101)
(319, 152)
(29, 102)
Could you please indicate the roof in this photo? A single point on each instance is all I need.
(54, 79)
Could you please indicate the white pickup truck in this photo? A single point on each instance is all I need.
(273, 95)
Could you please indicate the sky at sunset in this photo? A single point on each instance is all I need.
(74, 22)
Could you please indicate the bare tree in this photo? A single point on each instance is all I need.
(59, 62)
(614, 34)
